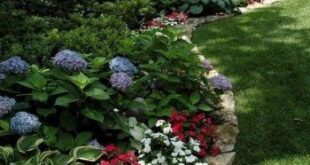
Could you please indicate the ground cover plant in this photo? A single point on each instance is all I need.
(85, 109)
(266, 53)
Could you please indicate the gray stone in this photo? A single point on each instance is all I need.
(226, 137)
(222, 159)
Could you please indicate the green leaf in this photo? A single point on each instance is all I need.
(81, 80)
(46, 112)
(39, 96)
(61, 159)
(87, 153)
(122, 122)
(164, 112)
(196, 9)
(65, 141)
(50, 135)
(205, 107)
(6, 154)
(28, 143)
(98, 94)
(83, 138)
(37, 80)
(5, 126)
(93, 114)
(98, 62)
(205, 1)
(137, 105)
(184, 7)
(195, 97)
(68, 121)
(221, 4)
(65, 100)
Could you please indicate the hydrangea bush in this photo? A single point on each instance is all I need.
(154, 107)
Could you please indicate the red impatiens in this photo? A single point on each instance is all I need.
(198, 127)
(115, 156)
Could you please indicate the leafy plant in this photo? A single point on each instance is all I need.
(198, 7)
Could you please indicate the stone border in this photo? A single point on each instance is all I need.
(228, 131)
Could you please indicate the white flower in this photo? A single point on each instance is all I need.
(141, 162)
(188, 152)
(167, 142)
(159, 34)
(174, 160)
(160, 122)
(190, 159)
(148, 132)
(196, 148)
(115, 110)
(147, 149)
(201, 163)
(167, 129)
(185, 38)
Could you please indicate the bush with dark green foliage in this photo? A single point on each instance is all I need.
(198, 7)
(36, 30)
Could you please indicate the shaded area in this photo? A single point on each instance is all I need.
(266, 53)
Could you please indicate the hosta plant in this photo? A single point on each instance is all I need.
(198, 7)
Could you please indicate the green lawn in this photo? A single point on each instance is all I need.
(266, 53)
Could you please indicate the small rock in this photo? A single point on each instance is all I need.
(222, 159)
(227, 135)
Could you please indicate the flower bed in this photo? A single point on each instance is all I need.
(114, 111)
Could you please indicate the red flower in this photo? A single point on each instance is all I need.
(103, 162)
(199, 127)
(198, 117)
(110, 148)
(177, 127)
(203, 153)
(177, 117)
(114, 156)
(215, 151)
(180, 17)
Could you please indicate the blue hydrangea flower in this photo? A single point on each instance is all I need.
(70, 61)
(2, 77)
(207, 64)
(95, 143)
(121, 81)
(24, 122)
(14, 65)
(6, 105)
(122, 64)
(221, 82)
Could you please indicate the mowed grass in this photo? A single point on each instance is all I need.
(266, 53)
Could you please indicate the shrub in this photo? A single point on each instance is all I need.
(65, 115)
(198, 7)
(36, 30)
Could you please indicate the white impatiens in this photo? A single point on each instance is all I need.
(163, 148)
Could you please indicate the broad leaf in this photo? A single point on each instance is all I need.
(87, 153)
(83, 138)
(93, 114)
(98, 94)
(28, 143)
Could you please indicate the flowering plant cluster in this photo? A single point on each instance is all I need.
(170, 19)
(115, 156)
(164, 148)
(199, 127)
(65, 113)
